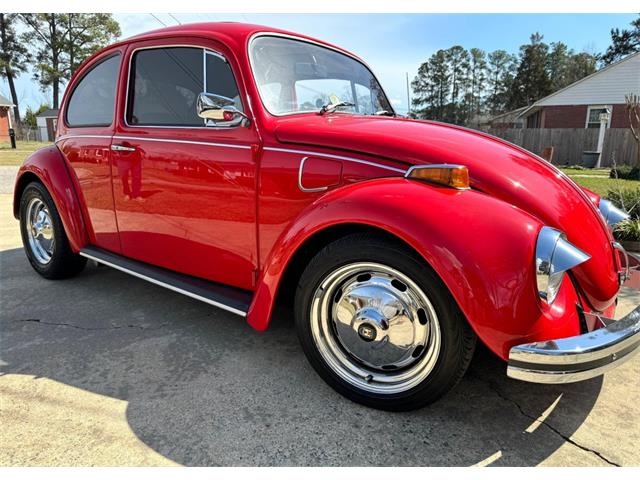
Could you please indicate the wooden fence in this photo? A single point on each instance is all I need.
(569, 143)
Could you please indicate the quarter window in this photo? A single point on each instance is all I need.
(166, 82)
(93, 99)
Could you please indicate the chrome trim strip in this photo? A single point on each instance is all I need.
(573, 359)
(190, 142)
(302, 187)
(337, 157)
(312, 42)
(65, 137)
(166, 285)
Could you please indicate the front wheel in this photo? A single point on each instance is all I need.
(379, 326)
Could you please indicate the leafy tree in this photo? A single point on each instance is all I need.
(86, 34)
(14, 56)
(501, 69)
(30, 115)
(623, 42)
(532, 80)
(62, 41)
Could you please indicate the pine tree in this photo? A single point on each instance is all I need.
(532, 81)
(458, 59)
(501, 68)
(14, 57)
(623, 42)
(477, 82)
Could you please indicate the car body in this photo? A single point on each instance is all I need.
(231, 207)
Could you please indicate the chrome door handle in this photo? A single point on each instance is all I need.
(122, 148)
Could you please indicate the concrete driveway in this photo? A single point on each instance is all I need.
(105, 369)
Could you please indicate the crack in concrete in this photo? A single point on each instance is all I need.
(493, 388)
(113, 327)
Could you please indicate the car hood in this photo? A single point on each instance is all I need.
(496, 167)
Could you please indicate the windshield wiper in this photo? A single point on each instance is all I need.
(384, 113)
(331, 107)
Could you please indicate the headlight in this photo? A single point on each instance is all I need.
(554, 256)
(611, 213)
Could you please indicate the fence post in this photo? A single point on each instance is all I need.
(604, 120)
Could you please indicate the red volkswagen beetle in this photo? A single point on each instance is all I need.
(242, 165)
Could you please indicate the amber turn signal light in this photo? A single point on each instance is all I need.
(456, 176)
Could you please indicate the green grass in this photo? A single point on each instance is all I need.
(601, 172)
(598, 181)
(10, 156)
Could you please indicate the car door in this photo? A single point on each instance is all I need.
(84, 138)
(185, 188)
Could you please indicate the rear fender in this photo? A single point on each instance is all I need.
(481, 247)
(48, 166)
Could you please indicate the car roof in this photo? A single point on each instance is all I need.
(237, 32)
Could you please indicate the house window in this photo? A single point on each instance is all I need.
(593, 115)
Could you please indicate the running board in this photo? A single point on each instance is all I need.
(231, 299)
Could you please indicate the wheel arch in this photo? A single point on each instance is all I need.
(48, 167)
(315, 243)
(480, 247)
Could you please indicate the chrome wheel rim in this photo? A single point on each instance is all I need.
(375, 328)
(40, 231)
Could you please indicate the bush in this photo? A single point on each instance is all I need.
(628, 230)
(626, 172)
(627, 199)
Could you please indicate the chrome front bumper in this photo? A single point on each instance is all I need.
(572, 359)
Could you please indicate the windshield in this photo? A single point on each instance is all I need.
(294, 76)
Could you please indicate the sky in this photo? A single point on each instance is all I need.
(391, 44)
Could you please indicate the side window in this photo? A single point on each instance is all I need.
(165, 84)
(220, 79)
(93, 99)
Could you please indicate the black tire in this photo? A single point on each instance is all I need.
(457, 342)
(63, 262)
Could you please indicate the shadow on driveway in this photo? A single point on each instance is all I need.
(204, 389)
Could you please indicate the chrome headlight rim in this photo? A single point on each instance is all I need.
(611, 214)
(554, 257)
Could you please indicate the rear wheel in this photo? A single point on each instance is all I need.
(379, 326)
(43, 236)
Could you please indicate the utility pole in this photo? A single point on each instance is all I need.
(408, 96)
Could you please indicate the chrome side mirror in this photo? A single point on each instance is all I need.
(221, 110)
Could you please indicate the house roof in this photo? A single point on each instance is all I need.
(513, 113)
(5, 102)
(52, 112)
(607, 86)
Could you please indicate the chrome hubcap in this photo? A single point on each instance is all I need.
(375, 327)
(40, 231)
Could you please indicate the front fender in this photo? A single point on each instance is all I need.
(481, 247)
(48, 166)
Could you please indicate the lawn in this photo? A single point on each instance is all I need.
(9, 156)
(598, 180)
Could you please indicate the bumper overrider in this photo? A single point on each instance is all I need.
(573, 359)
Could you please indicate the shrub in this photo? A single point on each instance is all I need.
(626, 172)
(628, 230)
(627, 199)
